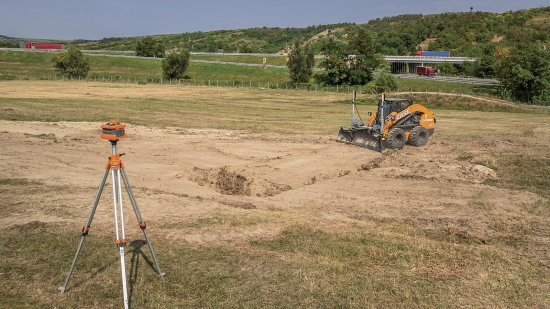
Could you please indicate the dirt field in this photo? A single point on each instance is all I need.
(449, 218)
(184, 174)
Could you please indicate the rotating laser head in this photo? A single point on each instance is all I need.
(113, 130)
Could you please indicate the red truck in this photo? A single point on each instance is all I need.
(428, 71)
(34, 45)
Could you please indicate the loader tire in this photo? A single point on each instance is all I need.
(419, 136)
(396, 138)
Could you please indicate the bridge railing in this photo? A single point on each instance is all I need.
(429, 59)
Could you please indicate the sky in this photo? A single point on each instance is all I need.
(96, 19)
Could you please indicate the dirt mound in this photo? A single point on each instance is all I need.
(223, 180)
(242, 182)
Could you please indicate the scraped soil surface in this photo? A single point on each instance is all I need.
(214, 186)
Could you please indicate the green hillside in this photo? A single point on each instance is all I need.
(464, 34)
(264, 40)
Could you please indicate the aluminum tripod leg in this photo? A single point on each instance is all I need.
(140, 220)
(120, 237)
(85, 229)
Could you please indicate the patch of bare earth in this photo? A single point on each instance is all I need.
(425, 45)
(497, 38)
(181, 176)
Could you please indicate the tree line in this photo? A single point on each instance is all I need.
(522, 69)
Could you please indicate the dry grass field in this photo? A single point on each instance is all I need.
(251, 203)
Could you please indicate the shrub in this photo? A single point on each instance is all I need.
(383, 81)
(71, 63)
(300, 63)
(150, 46)
(175, 64)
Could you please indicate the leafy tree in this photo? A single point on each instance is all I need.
(383, 81)
(353, 63)
(449, 68)
(525, 73)
(71, 63)
(334, 63)
(486, 67)
(363, 46)
(150, 46)
(300, 63)
(7, 44)
(175, 64)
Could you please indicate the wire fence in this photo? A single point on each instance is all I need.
(494, 92)
(186, 82)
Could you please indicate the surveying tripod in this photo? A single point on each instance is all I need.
(113, 131)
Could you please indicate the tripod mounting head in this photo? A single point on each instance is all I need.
(113, 130)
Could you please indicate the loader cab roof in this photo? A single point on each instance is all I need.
(393, 100)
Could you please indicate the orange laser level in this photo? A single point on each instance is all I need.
(113, 130)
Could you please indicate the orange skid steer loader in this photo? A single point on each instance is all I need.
(395, 123)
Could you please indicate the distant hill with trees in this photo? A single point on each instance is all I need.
(464, 34)
(253, 40)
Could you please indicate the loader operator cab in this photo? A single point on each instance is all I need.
(391, 105)
(395, 105)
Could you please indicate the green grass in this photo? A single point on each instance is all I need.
(228, 72)
(420, 85)
(527, 170)
(273, 60)
(39, 65)
(284, 117)
(303, 267)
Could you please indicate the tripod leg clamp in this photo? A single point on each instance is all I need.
(85, 230)
(121, 243)
(142, 225)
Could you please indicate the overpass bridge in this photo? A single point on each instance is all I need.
(408, 64)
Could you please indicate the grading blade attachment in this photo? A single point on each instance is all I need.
(345, 135)
(363, 137)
